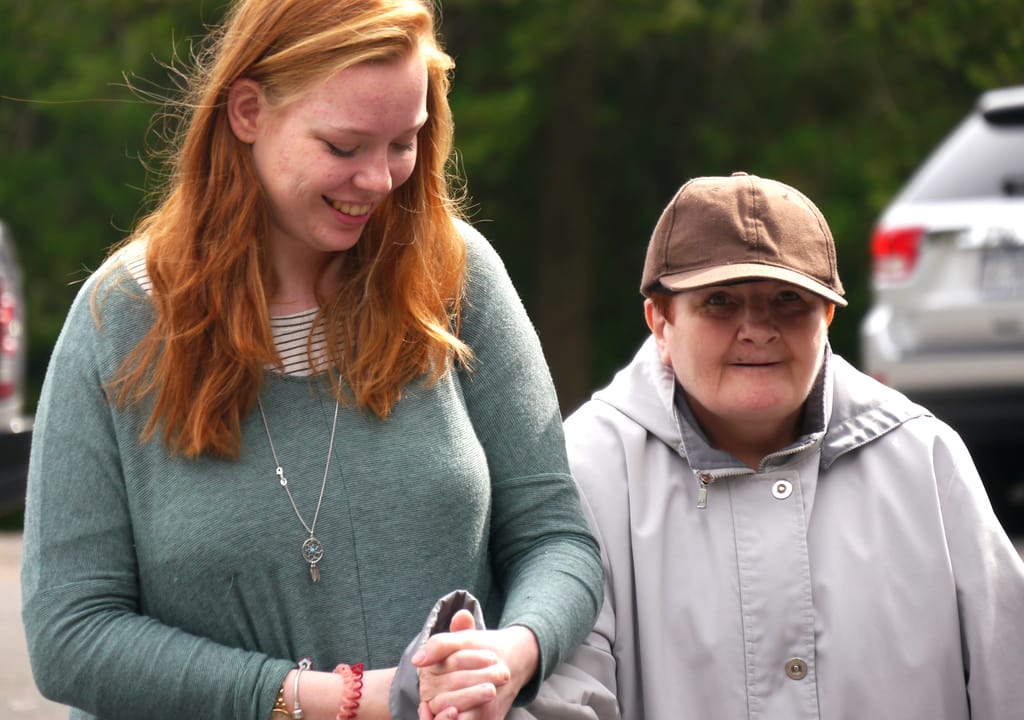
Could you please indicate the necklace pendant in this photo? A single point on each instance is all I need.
(312, 552)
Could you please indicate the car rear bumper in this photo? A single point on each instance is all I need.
(953, 370)
(14, 451)
(959, 373)
(978, 392)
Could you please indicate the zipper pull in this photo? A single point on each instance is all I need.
(702, 492)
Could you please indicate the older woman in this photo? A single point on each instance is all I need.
(783, 536)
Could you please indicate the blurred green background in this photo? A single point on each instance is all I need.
(576, 122)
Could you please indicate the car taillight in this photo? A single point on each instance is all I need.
(894, 253)
(8, 343)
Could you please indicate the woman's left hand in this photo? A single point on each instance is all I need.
(474, 674)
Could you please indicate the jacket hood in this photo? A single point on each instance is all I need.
(856, 408)
(644, 391)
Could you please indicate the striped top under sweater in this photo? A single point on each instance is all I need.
(291, 332)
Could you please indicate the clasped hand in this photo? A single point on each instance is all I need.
(474, 674)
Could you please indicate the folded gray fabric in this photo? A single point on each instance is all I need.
(404, 698)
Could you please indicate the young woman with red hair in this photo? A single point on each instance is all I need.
(298, 405)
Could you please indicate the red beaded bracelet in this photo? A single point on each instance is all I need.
(353, 675)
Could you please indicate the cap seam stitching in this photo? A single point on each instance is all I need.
(755, 209)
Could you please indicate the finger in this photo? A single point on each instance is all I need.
(433, 686)
(436, 689)
(465, 699)
(440, 646)
(463, 620)
(423, 713)
(474, 659)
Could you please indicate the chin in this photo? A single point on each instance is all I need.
(340, 243)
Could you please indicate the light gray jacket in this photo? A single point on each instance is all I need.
(859, 573)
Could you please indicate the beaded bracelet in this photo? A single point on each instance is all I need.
(353, 676)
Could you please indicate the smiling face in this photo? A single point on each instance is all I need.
(326, 160)
(746, 356)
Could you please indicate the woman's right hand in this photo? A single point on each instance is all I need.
(460, 683)
(463, 682)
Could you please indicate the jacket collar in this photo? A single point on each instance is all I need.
(862, 410)
(846, 409)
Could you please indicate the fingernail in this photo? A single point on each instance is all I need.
(419, 657)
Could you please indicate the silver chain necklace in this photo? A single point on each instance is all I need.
(312, 549)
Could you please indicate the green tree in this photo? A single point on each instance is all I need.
(73, 138)
(576, 122)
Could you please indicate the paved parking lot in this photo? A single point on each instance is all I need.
(18, 696)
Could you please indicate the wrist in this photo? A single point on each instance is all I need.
(375, 702)
(524, 656)
(351, 691)
(323, 695)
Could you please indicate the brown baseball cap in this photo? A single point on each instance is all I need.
(721, 229)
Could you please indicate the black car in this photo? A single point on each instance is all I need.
(15, 427)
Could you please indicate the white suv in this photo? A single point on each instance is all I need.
(15, 429)
(946, 326)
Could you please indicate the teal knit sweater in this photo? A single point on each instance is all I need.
(161, 587)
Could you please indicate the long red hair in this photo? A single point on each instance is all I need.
(396, 316)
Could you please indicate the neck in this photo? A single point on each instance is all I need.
(280, 306)
(750, 442)
(297, 287)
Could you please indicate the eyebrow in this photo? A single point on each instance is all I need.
(365, 133)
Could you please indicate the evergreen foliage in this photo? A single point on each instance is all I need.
(576, 122)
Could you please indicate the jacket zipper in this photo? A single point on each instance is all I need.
(707, 478)
(702, 491)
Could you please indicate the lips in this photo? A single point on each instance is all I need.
(351, 209)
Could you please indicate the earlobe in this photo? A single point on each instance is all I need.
(245, 100)
(656, 322)
(649, 315)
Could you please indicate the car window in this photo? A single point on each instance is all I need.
(978, 159)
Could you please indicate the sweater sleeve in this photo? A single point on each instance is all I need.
(90, 644)
(584, 687)
(545, 558)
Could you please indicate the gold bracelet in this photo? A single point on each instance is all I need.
(279, 706)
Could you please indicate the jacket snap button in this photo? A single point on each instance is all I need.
(796, 669)
(782, 489)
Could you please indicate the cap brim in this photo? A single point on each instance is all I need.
(721, 274)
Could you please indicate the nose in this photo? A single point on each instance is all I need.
(374, 174)
(757, 325)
